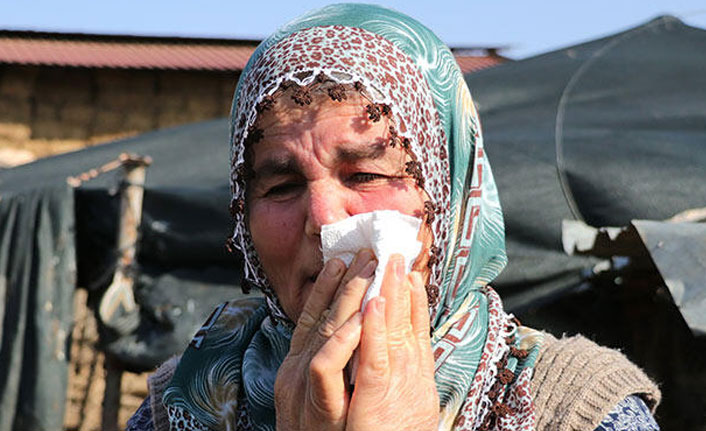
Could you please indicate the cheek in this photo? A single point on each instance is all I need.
(407, 200)
(275, 230)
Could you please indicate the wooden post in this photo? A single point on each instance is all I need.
(118, 309)
(111, 396)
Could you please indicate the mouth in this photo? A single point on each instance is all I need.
(313, 275)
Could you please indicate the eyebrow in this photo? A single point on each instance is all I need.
(276, 166)
(285, 165)
(373, 151)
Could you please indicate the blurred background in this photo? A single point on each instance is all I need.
(71, 68)
(113, 184)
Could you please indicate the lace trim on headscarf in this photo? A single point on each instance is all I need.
(499, 399)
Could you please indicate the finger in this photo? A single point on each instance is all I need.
(359, 263)
(338, 350)
(419, 307)
(373, 368)
(395, 290)
(326, 367)
(420, 321)
(349, 297)
(319, 300)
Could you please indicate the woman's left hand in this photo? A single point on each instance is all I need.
(394, 386)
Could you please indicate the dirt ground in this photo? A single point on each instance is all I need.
(87, 377)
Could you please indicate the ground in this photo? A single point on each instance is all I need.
(87, 377)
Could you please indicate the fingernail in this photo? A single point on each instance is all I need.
(360, 258)
(333, 268)
(416, 281)
(364, 256)
(358, 318)
(369, 269)
(380, 304)
(399, 267)
(367, 254)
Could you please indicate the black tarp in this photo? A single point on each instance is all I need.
(37, 279)
(605, 132)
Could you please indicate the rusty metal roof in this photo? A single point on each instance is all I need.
(123, 52)
(470, 64)
(143, 52)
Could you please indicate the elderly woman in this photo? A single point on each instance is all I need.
(348, 110)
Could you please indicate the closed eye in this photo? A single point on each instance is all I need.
(282, 189)
(365, 177)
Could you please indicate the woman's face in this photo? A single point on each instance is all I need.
(316, 165)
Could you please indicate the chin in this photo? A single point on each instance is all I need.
(293, 304)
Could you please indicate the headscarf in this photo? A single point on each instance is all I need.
(483, 360)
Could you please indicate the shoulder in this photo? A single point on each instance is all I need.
(631, 414)
(227, 320)
(141, 420)
(576, 383)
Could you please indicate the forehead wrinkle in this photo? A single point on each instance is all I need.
(287, 112)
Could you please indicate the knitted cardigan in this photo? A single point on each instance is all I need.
(576, 383)
(157, 384)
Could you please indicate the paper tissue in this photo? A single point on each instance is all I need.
(385, 232)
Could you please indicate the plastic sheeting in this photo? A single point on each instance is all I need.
(604, 132)
(678, 250)
(37, 278)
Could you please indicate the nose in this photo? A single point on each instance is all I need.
(327, 204)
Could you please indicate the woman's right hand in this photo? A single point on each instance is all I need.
(311, 388)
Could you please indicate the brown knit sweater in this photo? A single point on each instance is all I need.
(157, 384)
(576, 383)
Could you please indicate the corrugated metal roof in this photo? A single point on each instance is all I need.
(474, 64)
(134, 52)
(123, 54)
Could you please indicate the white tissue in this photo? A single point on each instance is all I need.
(385, 232)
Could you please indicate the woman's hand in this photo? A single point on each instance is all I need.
(394, 386)
(311, 391)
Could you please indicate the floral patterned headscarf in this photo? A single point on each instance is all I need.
(483, 360)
